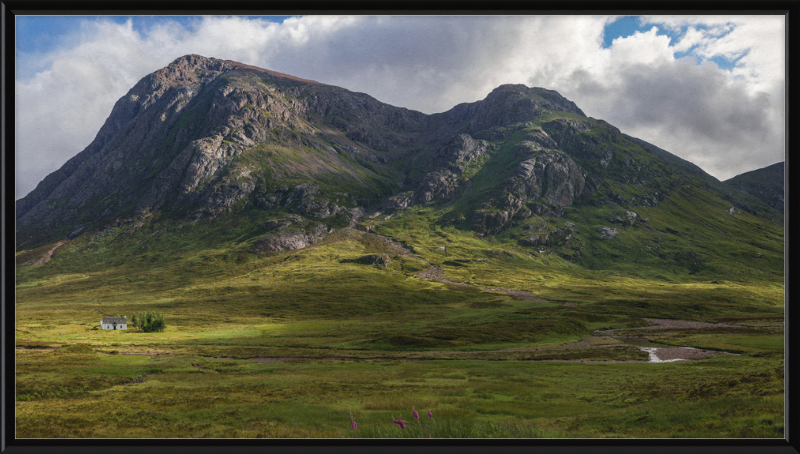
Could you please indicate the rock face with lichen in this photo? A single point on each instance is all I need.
(202, 137)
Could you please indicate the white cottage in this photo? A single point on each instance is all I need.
(114, 323)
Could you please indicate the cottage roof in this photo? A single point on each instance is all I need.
(114, 320)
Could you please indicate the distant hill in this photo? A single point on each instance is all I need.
(767, 184)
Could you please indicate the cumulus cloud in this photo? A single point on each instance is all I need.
(713, 123)
(725, 121)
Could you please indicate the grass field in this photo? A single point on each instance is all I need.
(292, 344)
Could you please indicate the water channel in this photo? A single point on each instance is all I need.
(651, 349)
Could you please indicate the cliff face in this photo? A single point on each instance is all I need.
(203, 136)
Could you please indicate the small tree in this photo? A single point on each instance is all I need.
(149, 322)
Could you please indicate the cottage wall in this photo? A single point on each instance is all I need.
(104, 324)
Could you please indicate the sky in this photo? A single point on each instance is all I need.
(710, 89)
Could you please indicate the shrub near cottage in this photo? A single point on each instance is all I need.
(149, 322)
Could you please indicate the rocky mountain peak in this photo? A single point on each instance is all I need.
(203, 135)
(509, 104)
(541, 97)
(189, 65)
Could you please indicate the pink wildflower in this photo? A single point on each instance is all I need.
(414, 412)
(430, 415)
(400, 422)
(353, 422)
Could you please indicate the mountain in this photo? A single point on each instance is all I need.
(293, 161)
(203, 134)
(767, 184)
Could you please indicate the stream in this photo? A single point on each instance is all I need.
(652, 349)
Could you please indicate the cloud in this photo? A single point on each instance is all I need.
(430, 64)
(727, 122)
(704, 118)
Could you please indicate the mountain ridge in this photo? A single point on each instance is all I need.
(194, 70)
(202, 137)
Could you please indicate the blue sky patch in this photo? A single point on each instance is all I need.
(724, 63)
(622, 28)
(628, 25)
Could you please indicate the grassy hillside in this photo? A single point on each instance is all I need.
(287, 344)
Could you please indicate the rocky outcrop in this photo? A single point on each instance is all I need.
(290, 238)
(551, 175)
(543, 182)
(628, 218)
(284, 241)
(75, 233)
(593, 150)
(452, 160)
(436, 186)
(459, 151)
(607, 233)
(399, 202)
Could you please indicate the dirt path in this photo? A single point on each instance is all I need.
(682, 324)
(48, 255)
(659, 323)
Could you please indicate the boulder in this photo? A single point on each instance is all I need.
(607, 233)
(290, 239)
(75, 233)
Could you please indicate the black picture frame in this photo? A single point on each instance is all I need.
(12, 8)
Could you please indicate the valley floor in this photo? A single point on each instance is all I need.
(294, 344)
